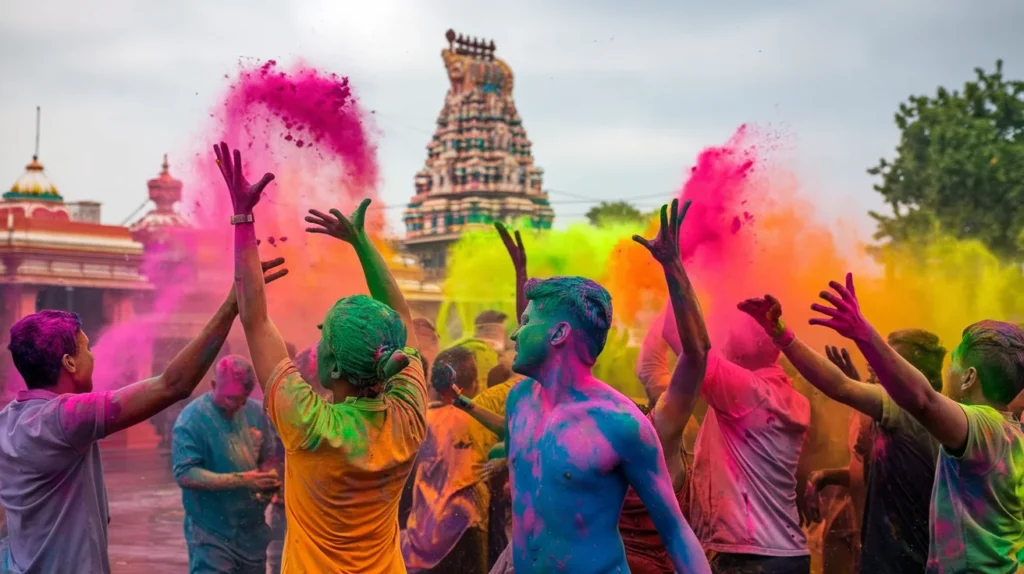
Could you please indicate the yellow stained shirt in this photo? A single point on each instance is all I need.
(345, 467)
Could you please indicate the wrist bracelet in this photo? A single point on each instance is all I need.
(463, 402)
(784, 337)
(241, 218)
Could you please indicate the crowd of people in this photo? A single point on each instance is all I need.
(377, 451)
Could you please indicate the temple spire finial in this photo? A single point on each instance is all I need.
(35, 156)
(166, 166)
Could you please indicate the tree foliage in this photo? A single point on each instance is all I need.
(959, 166)
(614, 211)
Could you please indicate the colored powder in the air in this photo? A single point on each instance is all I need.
(307, 128)
(752, 230)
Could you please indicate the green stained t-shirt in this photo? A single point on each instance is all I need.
(977, 521)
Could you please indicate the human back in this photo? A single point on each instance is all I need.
(347, 463)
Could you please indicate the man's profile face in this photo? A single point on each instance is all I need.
(533, 344)
(84, 363)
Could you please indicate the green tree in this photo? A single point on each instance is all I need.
(959, 166)
(613, 211)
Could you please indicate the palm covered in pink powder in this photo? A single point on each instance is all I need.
(844, 316)
(244, 196)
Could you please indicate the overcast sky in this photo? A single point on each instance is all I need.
(617, 100)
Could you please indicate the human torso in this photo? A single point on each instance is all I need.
(977, 506)
(901, 476)
(345, 467)
(566, 489)
(743, 487)
(228, 446)
(449, 496)
(53, 493)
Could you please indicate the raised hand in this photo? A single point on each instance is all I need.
(244, 196)
(812, 505)
(665, 246)
(516, 251)
(844, 316)
(269, 266)
(347, 229)
(841, 359)
(767, 311)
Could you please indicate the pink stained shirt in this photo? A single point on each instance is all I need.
(743, 486)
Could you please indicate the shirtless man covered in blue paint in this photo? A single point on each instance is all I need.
(575, 444)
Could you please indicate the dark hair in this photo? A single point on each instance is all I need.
(588, 305)
(996, 350)
(39, 343)
(490, 317)
(499, 374)
(458, 361)
(922, 349)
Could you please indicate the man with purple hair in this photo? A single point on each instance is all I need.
(224, 457)
(53, 490)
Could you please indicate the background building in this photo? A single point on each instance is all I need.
(479, 166)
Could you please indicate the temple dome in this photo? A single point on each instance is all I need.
(34, 184)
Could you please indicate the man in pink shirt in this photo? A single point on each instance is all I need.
(743, 491)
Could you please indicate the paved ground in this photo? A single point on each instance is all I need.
(145, 512)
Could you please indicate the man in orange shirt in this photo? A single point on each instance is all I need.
(346, 462)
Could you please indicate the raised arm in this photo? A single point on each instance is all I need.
(266, 346)
(645, 470)
(907, 386)
(379, 279)
(818, 370)
(675, 406)
(517, 253)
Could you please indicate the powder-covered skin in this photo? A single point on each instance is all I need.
(570, 465)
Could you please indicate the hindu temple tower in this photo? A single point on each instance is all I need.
(480, 166)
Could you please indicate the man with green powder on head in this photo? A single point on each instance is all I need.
(977, 503)
(345, 460)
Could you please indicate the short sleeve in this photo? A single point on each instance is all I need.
(295, 409)
(893, 417)
(494, 398)
(186, 452)
(83, 417)
(410, 386)
(730, 389)
(986, 439)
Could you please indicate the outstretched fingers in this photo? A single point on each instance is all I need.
(237, 173)
(223, 161)
(263, 182)
(642, 241)
(271, 265)
(360, 214)
(831, 312)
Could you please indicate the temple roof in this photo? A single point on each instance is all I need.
(165, 192)
(34, 184)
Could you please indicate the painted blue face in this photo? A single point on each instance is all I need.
(533, 341)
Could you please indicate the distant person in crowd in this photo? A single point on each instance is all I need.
(226, 462)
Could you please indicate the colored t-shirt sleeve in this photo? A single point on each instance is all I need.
(83, 417)
(730, 389)
(494, 398)
(296, 410)
(186, 452)
(986, 439)
(410, 386)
